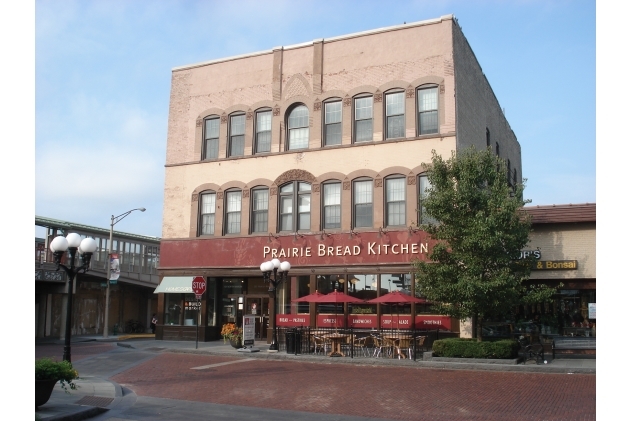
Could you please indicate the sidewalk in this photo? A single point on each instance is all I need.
(95, 394)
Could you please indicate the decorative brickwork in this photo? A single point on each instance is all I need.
(276, 111)
(317, 106)
(248, 115)
(346, 185)
(194, 197)
(294, 175)
(378, 182)
(246, 194)
(411, 180)
(378, 97)
(347, 101)
(315, 188)
(220, 195)
(198, 122)
(224, 119)
(273, 191)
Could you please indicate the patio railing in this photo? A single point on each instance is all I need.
(359, 343)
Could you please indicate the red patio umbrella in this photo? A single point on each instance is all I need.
(396, 298)
(336, 297)
(311, 298)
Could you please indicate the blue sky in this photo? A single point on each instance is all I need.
(103, 68)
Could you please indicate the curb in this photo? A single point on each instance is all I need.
(419, 364)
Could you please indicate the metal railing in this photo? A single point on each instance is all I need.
(353, 342)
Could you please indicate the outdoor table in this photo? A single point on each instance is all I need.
(398, 342)
(336, 343)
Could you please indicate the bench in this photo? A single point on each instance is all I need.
(572, 344)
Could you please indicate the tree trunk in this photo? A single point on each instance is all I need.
(476, 321)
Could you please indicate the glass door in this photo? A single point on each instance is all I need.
(259, 307)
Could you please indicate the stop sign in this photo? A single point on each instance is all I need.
(199, 285)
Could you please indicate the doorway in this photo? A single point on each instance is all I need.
(257, 305)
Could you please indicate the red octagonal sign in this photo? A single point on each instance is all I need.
(199, 285)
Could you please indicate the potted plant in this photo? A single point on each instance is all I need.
(47, 373)
(233, 334)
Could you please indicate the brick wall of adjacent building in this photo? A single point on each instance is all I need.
(477, 107)
(575, 241)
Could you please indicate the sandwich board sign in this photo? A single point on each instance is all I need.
(249, 323)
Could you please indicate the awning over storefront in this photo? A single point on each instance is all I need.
(175, 284)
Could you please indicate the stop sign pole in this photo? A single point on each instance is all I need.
(199, 287)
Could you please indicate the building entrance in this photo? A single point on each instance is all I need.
(257, 305)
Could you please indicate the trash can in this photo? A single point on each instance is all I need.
(290, 341)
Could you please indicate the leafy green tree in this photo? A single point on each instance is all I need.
(480, 226)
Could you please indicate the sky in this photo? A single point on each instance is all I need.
(103, 74)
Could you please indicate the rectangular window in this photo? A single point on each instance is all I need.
(423, 185)
(260, 202)
(427, 111)
(362, 200)
(395, 201)
(237, 135)
(333, 123)
(207, 212)
(211, 139)
(304, 211)
(332, 205)
(233, 212)
(263, 131)
(363, 119)
(395, 118)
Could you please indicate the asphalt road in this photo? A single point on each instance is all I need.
(174, 386)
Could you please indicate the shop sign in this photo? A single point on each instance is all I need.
(115, 271)
(525, 253)
(249, 322)
(359, 321)
(556, 265)
(192, 305)
(49, 275)
(292, 320)
(433, 322)
(330, 320)
(392, 321)
(323, 250)
(591, 309)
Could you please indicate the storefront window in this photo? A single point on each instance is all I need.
(192, 310)
(363, 287)
(211, 298)
(395, 282)
(173, 309)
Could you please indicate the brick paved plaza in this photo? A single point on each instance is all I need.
(383, 392)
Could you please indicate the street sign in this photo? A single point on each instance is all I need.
(199, 285)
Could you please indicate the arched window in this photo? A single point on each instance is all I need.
(260, 205)
(295, 206)
(362, 203)
(395, 201)
(232, 208)
(207, 213)
(332, 204)
(210, 149)
(427, 105)
(298, 128)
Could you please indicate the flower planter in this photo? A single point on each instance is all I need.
(43, 390)
(236, 343)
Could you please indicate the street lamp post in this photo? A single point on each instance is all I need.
(73, 243)
(115, 220)
(280, 271)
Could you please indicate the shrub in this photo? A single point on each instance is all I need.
(62, 371)
(471, 348)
